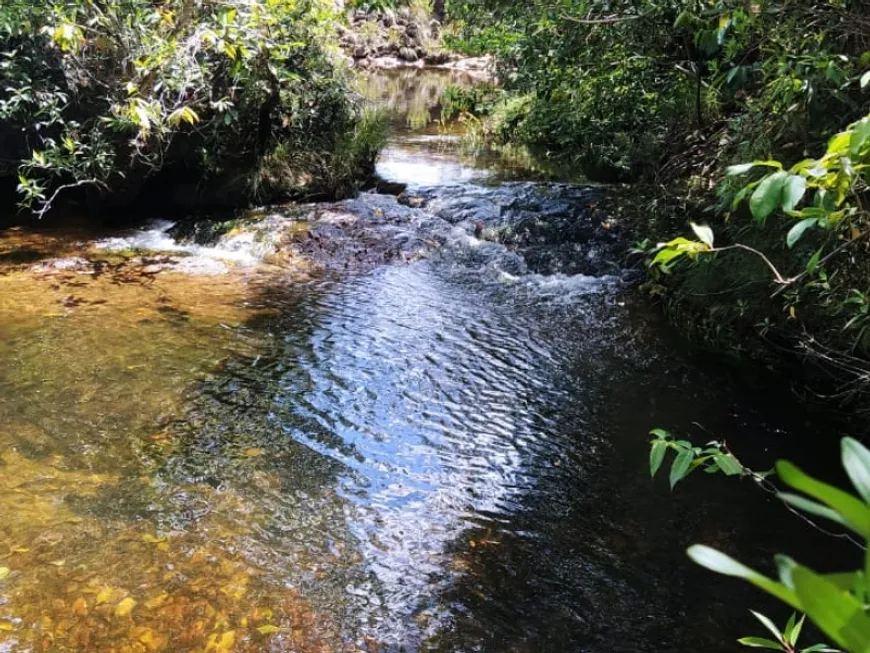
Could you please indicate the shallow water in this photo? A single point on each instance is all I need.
(361, 426)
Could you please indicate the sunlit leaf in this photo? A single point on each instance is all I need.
(704, 233)
(723, 564)
(125, 607)
(268, 629)
(767, 623)
(855, 513)
(856, 461)
(838, 614)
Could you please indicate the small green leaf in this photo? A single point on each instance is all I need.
(681, 466)
(813, 263)
(728, 464)
(820, 648)
(657, 455)
(767, 196)
(767, 623)
(794, 632)
(760, 642)
(795, 233)
(865, 79)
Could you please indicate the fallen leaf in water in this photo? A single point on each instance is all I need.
(150, 539)
(125, 607)
(80, 607)
(4, 572)
(251, 453)
(58, 563)
(222, 644)
(104, 595)
(157, 601)
(268, 629)
(20, 549)
(6, 626)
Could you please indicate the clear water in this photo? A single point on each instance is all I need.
(361, 427)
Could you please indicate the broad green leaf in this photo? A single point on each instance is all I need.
(856, 461)
(839, 144)
(760, 642)
(660, 433)
(865, 79)
(657, 455)
(767, 623)
(845, 580)
(860, 134)
(838, 614)
(795, 233)
(820, 648)
(703, 232)
(767, 195)
(793, 192)
(681, 466)
(854, 511)
(723, 564)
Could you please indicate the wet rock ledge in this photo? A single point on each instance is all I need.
(401, 38)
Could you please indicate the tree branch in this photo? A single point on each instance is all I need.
(83, 182)
(604, 21)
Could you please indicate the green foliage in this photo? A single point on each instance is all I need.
(835, 602)
(111, 94)
(713, 457)
(785, 639)
(814, 220)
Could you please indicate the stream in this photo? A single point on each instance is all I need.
(384, 424)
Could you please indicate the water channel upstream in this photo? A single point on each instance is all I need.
(384, 424)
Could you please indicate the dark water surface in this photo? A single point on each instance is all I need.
(439, 449)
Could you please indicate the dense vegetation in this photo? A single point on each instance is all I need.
(836, 602)
(212, 103)
(667, 95)
(743, 126)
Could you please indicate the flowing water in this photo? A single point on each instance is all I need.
(379, 425)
